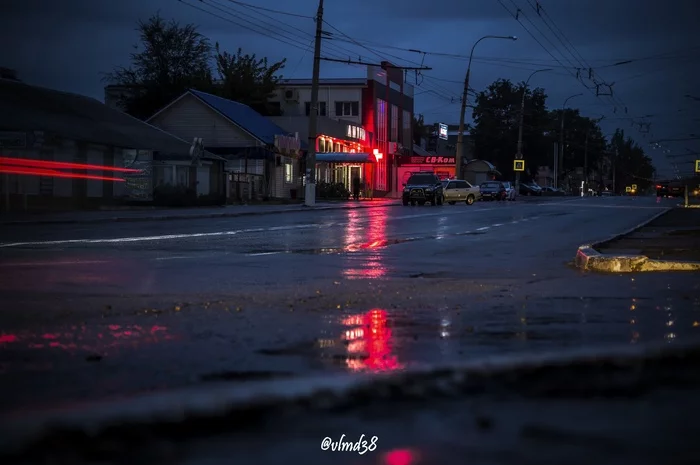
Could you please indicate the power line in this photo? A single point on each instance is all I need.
(279, 12)
(380, 65)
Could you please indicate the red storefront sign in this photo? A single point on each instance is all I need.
(430, 160)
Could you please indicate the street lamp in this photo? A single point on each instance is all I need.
(560, 155)
(460, 134)
(519, 154)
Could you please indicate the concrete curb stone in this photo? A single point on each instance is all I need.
(588, 258)
(125, 219)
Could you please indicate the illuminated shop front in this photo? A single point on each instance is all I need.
(443, 166)
(340, 160)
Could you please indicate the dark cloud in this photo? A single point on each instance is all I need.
(67, 44)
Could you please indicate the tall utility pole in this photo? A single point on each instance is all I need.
(561, 139)
(310, 191)
(585, 165)
(519, 153)
(460, 133)
(614, 168)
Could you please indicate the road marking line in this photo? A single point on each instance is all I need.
(497, 225)
(358, 221)
(63, 263)
(483, 228)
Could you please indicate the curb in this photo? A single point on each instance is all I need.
(123, 219)
(588, 258)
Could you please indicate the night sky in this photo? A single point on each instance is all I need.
(67, 44)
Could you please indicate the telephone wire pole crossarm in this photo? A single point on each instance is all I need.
(310, 188)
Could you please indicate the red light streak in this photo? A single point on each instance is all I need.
(53, 173)
(45, 164)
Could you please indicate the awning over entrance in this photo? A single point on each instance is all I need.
(344, 157)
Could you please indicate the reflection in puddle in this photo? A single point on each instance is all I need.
(400, 457)
(91, 339)
(369, 342)
(370, 264)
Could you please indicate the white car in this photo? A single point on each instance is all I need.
(510, 191)
(456, 190)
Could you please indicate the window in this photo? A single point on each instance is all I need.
(394, 123)
(407, 132)
(288, 172)
(347, 108)
(463, 185)
(182, 176)
(321, 108)
(164, 175)
(381, 143)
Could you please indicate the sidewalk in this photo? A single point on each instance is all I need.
(672, 236)
(156, 214)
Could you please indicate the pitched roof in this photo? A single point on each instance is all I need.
(77, 117)
(243, 116)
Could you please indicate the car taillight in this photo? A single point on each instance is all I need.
(658, 187)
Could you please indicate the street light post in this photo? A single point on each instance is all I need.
(519, 154)
(561, 141)
(460, 133)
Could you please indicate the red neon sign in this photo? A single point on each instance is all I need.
(52, 173)
(61, 165)
(377, 154)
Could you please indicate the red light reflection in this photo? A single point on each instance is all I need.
(400, 457)
(369, 335)
(90, 339)
(365, 237)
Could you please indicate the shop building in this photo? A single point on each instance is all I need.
(343, 149)
(381, 104)
(424, 161)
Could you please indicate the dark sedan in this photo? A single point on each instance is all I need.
(493, 190)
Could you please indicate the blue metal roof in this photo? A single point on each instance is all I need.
(245, 117)
(344, 157)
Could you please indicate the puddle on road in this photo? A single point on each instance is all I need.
(387, 340)
(95, 340)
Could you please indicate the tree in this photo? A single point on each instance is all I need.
(496, 118)
(170, 60)
(584, 144)
(419, 130)
(631, 164)
(247, 79)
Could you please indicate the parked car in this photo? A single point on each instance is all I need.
(421, 188)
(510, 191)
(456, 190)
(530, 189)
(492, 190)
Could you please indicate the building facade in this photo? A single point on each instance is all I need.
(381, 105)
(68, 151)
(343, 149)
(262, 159)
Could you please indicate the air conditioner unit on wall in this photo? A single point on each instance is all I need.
(291, 95)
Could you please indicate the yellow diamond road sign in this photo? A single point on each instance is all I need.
(518, 165)
(628, 189)
(697, 166)
(634, 187)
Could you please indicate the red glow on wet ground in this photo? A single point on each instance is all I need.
(91, 339)
(400, 457)
(370, 336)
(365, 237)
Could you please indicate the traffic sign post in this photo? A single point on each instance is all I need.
(519, 165)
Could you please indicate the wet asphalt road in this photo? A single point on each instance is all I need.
(100, 311)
